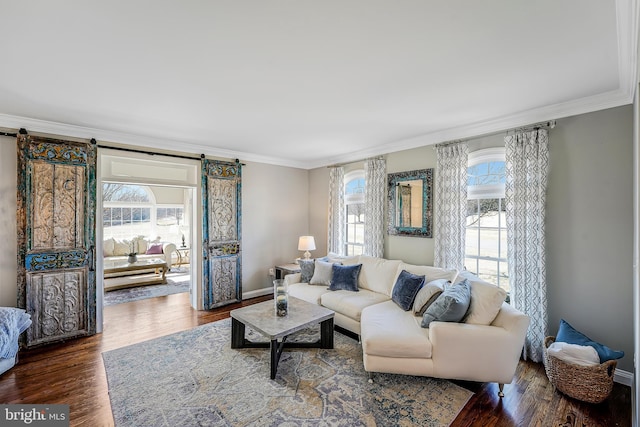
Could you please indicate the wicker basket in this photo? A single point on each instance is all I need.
(591, 384)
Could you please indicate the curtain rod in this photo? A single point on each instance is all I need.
(337, 165)
(23, 131)
(151, 153)
(548, 124)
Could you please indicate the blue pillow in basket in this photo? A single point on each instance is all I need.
(568, 334)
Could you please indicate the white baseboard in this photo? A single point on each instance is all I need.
(257, 293)
(623, 377)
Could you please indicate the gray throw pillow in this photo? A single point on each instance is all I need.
(307, 267)
(321, 273)
(450, 306)
(345, 277)
(406, 288)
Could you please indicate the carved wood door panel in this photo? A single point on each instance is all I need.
(56, 235)
(221, 219)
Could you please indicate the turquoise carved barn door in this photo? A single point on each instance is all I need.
(221, 219)
(56, 233)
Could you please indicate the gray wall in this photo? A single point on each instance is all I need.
(8, 235)
(590, 228)
(275, 212)
(589, 250)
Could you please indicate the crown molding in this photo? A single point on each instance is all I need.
(589, 104)
(102, 135)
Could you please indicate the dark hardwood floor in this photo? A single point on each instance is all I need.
(73, 373)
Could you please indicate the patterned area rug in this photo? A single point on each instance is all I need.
(195, 378)
(178, 281)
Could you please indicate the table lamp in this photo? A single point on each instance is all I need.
(306, 243)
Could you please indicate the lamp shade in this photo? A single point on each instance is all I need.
(306, 243)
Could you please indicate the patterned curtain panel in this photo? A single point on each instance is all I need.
(375, 178)
(450, 205)
(526, 170)
(335, 241)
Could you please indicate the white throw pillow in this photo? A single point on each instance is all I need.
(583, 355)
(427, 294)
(322, 273)
(379, 274)
(108, 247)
(121, 247)
(486, 300)
(141, 245)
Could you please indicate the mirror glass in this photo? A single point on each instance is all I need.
(409, 198)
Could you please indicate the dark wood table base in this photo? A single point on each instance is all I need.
(238, 340)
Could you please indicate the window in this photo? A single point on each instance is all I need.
(131, 210)
(127, 210)
(486, 238)
(354, 205)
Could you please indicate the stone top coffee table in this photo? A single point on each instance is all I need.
(262, 318)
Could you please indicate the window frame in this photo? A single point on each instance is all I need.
(483, 192)
(352, 199)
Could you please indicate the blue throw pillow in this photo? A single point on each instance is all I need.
(451, 305)
(307, 267)
(568, 334)
(345, 277)
(406, 288)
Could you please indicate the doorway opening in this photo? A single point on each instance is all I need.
(148, 211)
(146, 238)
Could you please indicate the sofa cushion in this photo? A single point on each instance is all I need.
(450, 306)
(154, 249)
(405, 289)
(345, 277)
(307, 292)
(567, 333)
(427, 295)
(321, 273)
(378, 274)
(388, 331)
(430, 273)
(486, 299)
(108, 247)
(350, 304)
(307, 267)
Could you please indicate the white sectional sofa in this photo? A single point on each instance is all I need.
(484, 347)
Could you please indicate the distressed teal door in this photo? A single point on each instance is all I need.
(222, 266)
(56, 234)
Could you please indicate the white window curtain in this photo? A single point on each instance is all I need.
(450, 205)
(335, 240)
(526, 170)
(375, 178)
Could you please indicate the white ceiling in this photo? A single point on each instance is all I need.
(308, 83)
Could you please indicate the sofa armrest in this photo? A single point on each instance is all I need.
(168, 249)
(477, 352)
(290, 279)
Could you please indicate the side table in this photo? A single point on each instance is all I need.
(284, 269)
(183, 254)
